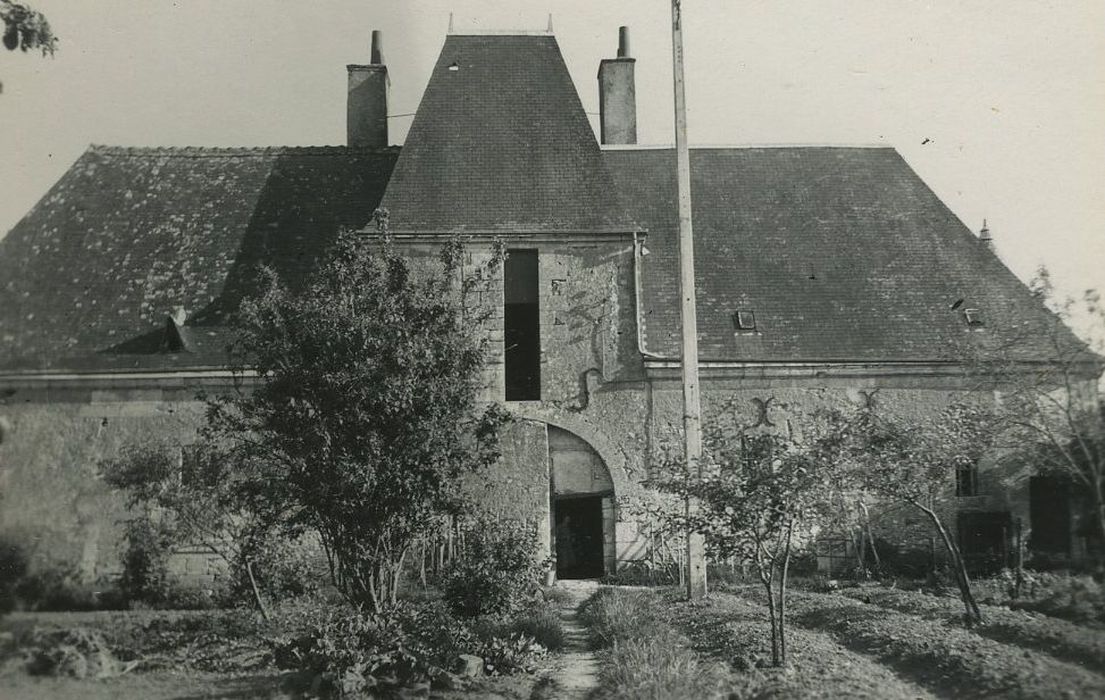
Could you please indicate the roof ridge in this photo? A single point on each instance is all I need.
(231, 151)
(742, 146)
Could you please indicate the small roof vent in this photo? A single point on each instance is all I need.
(175, 336)
(744, 320)
(973, 318)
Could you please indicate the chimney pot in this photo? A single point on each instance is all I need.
(366, 117)
(376, 57)
(623, 42)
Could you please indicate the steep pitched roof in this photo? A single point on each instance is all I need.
(841, 253)
(501, 143)
(90, 275)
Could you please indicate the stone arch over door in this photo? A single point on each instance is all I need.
(612, 456)
(581, 493)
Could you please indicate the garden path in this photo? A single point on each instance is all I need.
(577, 673)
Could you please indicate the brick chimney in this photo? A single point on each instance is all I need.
(618, 95)
(366, 112)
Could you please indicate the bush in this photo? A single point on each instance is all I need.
(57, 589)
(517, 653)
(146, 561)
(353, 653)
(497, 571)
(435, 635)
(283, 569)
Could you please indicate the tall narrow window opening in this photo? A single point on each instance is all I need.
(966, 480)
(522, 326)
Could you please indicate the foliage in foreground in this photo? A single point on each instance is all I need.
(496, 571)
(644, 656)
(409, 646)
(364, 415)
(914, 462)
(754, 493)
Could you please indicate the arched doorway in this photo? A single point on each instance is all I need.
(582, 495)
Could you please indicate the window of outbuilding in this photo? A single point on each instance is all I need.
(966, 481)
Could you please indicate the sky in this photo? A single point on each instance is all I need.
(999, 105)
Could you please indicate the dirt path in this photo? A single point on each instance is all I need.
(576, 674)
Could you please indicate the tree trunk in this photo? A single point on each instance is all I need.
(973, 614)
(783, 599)
(422, 564)
(256, 592)
(1099, 501)
(870, 535)
(771, 613)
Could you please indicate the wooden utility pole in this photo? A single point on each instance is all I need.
(688, 315)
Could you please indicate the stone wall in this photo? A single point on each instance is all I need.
(595, 385)
(52, 498)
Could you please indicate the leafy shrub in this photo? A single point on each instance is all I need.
(146, 561)
(435, 635)
(517, 653)
(354, 653)
(57, 588)
(497, 572)
(283, 569)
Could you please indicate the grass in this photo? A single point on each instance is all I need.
(543, 624)
(642, 655)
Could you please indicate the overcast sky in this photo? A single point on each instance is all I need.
(998, 105)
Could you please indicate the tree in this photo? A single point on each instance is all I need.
(363, 414)
(183, 495)
(26, 29)
(914, 463)
(756, 493)
(1053, 409)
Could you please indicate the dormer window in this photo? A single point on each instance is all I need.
(744, 320)
(973, 317)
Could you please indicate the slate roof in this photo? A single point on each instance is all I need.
(842, 254)
(89, 277)
(500, 142)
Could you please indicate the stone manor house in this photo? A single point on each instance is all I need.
(824, 274)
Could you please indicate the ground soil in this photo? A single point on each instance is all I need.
(726, 627)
